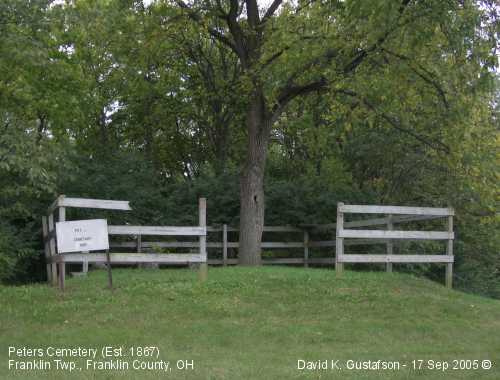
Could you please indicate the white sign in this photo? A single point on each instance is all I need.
(82, 235)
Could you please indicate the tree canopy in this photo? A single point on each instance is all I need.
(272, 110)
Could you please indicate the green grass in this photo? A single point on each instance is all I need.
(255, 323)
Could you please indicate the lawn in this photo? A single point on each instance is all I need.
(252, 323)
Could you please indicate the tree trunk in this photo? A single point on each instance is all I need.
(252, 184)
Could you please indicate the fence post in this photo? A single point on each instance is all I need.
(139, 250)
(85, 265)
(339, 242)
(449, 251)
(52, 247)
(224, 244)
(306, 248)
(46, 246)
(390, 244)
(62, 264)
(202, 210)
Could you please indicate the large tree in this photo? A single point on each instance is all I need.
(289, 49)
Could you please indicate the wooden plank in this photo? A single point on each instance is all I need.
(127, 258)
(139, 248)
(162, 244)
(62, 214)
(157, 230)
(381, 234)
(449, 252)
(214, 244)
(396, 258)
(224, 244)
(384, 221)
(108, 266)
(219, 229)
(339, 241)
(282, 244)
(281, 261)
(299, 260)
(282, 229)
(64, 201)
(62, 276)
(306, 249)
(52, 234)
(369, 222)
(414, 218)
(62, 265)
(266, 229)
(202, 218)
(54, 205)
(85, 266)
(366, 209)
(169, 258)
(194, 244)
(52, 247)
(332, 243)
(365, 241)
(390, 244)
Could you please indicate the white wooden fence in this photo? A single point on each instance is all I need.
(219, 240)
(407, 214)
(56, 262)
(343, 233)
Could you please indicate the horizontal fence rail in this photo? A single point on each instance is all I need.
(427, 211)
(129, 258)
(63, 201)
(380, 234)
(157, 230)
(224, 244)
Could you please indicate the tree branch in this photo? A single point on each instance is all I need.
(363, 53)
(193, 15)
(291, 92)
(428, 77)
(252, 13)
(437, 145)
(271, 10)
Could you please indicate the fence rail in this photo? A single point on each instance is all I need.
(224, 244)
(410, 214)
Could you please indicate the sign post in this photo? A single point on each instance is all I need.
(110, 277)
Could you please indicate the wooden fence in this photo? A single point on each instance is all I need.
(333, 238)
(56, 262)
(389, 235)
(220, 242)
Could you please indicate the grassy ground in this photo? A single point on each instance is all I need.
(254, 323)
